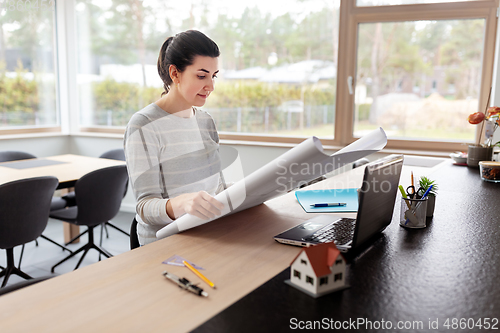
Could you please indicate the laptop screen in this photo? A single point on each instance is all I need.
(377, 198)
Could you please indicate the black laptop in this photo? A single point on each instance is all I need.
(376, 205)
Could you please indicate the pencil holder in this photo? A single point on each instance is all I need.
(413, 213)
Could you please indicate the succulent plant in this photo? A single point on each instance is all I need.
(425, 183)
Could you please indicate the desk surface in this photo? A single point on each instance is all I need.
(433, 272)
(448, 270)
(71, 169)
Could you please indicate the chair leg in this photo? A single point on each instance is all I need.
(114, 226)
(11, 269)
(85, 248)
(56, 243)
(21, 257)
(68, 257)
(76, 237)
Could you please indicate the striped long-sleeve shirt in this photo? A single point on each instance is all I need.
(166, 156)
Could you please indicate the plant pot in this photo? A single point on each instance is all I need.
(431, 202)
(476, 154)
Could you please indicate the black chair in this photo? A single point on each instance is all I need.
(69, 199)
(24, 213)
(13, 155)
(8, 156)
(23, 284)
(134, 240)
(99, 195)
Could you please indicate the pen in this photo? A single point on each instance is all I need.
(184, 283)
(201, 276)
(402, 190)
(332, 204)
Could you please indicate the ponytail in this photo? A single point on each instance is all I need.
(163, 66)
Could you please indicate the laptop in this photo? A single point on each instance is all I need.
(376, 205)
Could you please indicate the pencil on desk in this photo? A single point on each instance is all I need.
(201, 276)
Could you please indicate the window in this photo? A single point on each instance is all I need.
(302, 261)
(338, 261)
(337, 277)
(421, 55)
(296, 273)
(415, 67)
(399, 52)
(274, 80)
(323, 280)
(309, 280)
(28, 71)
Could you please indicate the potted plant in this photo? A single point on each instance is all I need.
(490, 121)
(425, 183)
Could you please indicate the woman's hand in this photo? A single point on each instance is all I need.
(200, 204)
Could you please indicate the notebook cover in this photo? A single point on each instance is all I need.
(347, 195)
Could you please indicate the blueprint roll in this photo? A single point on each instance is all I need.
(232, 197)
(298, 166)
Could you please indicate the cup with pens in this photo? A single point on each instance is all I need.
(413, 207)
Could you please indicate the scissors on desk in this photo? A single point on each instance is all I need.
(412, 194)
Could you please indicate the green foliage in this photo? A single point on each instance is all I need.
(258, 94)
(18, 93)
(425, 183)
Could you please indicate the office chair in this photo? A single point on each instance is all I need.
(134, 239)
(22, 284)
(99, 195)
(24, 213)
(13, 155)
(69, 199)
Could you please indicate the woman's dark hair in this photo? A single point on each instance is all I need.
(180, 51)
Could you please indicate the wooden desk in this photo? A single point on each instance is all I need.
(128, 293)
(68, 171)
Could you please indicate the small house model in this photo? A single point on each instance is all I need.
(318, 270)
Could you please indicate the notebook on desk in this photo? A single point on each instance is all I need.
(376, 205)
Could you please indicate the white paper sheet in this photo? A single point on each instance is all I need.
(298, 166)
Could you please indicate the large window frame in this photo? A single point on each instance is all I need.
(350, 17)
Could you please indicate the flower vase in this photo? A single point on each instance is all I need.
(477, 153)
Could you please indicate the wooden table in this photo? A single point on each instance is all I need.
(128, 293)
(68, 170)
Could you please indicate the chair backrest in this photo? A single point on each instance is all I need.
(114, 154)
(24, 209)
(7, 156)
(99, 194)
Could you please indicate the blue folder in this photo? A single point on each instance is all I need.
(347, 195)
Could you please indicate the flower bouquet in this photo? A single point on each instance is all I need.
(490, 121)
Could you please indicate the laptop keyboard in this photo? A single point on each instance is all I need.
(340, 232)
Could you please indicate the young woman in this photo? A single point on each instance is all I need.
(171, 147)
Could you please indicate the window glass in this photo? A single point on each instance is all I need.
(419, 79)
(27, 65)
(278, 61)
(361, 3)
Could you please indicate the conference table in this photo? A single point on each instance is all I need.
(446, 271)
(66, 168)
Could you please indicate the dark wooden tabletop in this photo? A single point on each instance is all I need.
(443, 278)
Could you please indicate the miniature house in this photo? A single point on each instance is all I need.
(319, 269)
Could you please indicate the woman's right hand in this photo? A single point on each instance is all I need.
(200, 204)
